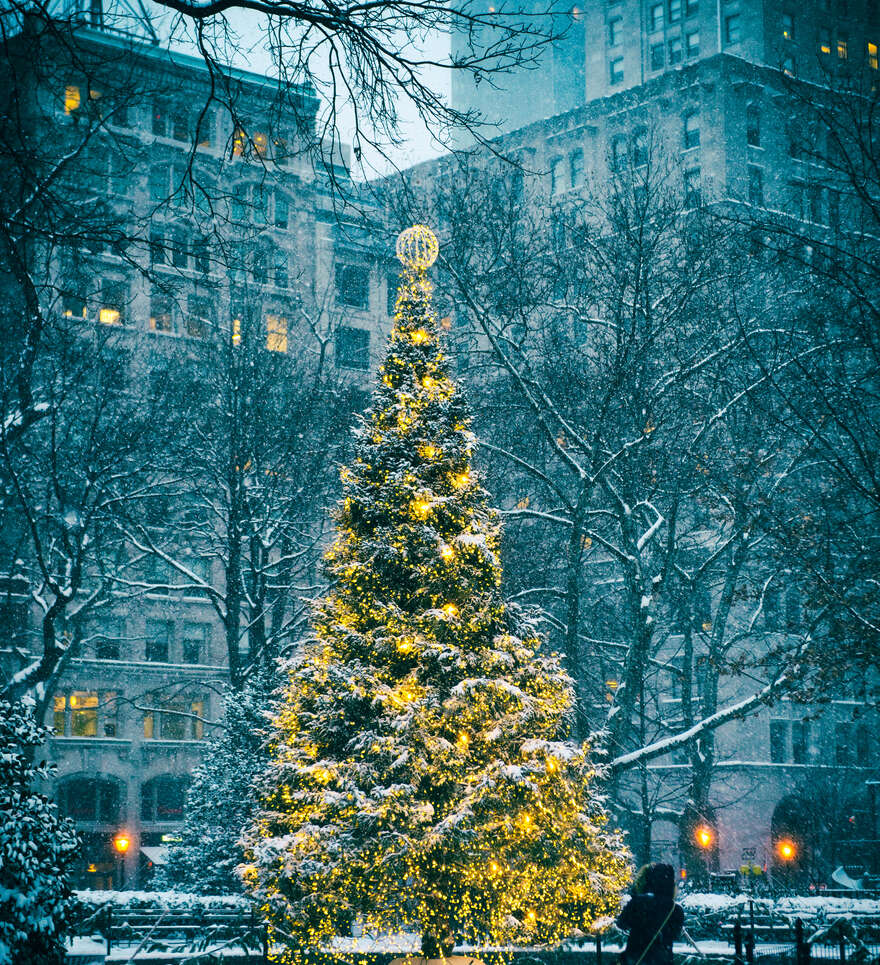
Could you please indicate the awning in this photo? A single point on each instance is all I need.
(156, 855)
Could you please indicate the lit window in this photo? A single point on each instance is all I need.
(753, 126)
(73, 306)
(615, 70)
(674, 51)
(84, 714)
(576, 167)
(788, 26)
(842, 46)
(276, 333)
(71, 99)
(674, 11)
(113, 299)
(161, 319)
(732, 29)
(236, 331)
(658, 57)
(261, 142)
(615, 31)
(692, 43)
(824, 40)
(692, 130)
(655, 16)
(756, 186)
(873, 61)
(353, 347)
(59, 714)
(238, 142)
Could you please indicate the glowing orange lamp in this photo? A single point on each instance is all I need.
(122, 842)
(704, 836)
(786, 849)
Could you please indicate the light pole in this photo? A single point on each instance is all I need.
(122, 842)
(704, 838)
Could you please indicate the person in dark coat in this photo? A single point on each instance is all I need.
(653, 919)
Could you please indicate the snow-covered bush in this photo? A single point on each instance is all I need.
(36, 846)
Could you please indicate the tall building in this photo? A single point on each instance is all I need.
(202, 211)
(721, 93)
(608, 47)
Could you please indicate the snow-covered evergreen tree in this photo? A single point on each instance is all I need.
(420, 774)
(222, 797)
(36, 846)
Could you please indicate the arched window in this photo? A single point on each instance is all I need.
(95, 800)
(163, 797)
(640, 147)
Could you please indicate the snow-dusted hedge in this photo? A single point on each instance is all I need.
(159, 901)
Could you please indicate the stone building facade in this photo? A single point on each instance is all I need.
(205, 197)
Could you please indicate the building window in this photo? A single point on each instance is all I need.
(692, 130)
(108, 639)
(692, 43)
(201, 253)
(353, 285)
(175, 719)
(555, 175)
(674, 11)
(800, 741)
(618, 153)
(180, 125)
(692, 193)
(179, 249)
(194, 642)
(276, 333)
(691, 8)
(206, 127)
(261, 143)
(753, 126)
(72, 99)
(778, 741)
(73, 306)
(615, 31)
(816, 211)
(658, 57)
(114, 295)
(655, 17)
(282, 210)
(843, 744)
(160, 118)
(615, 70)
(788, 26)
(732, 29)
(674, 51)
(789, 66)
(865, 746)
(576, 167)
(282, 279)
(158, 251)
(842, 46)
(84, 713)
(198, 316)
(640, 148)
(159, 633)
(873, 57)
(163, 798)
(797, 195)
(90, 800)
(756, 186)
(353, 347)
(824, 40)
(258, 271)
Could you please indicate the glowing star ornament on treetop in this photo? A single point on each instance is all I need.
(420, 775)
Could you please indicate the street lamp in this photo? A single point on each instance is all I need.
(786, 849)
(122, 842)
(704, 836)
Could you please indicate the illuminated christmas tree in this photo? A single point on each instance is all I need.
(420, 777)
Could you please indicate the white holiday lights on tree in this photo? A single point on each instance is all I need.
(420, 777)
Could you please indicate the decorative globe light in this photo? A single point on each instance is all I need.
(417, 247)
